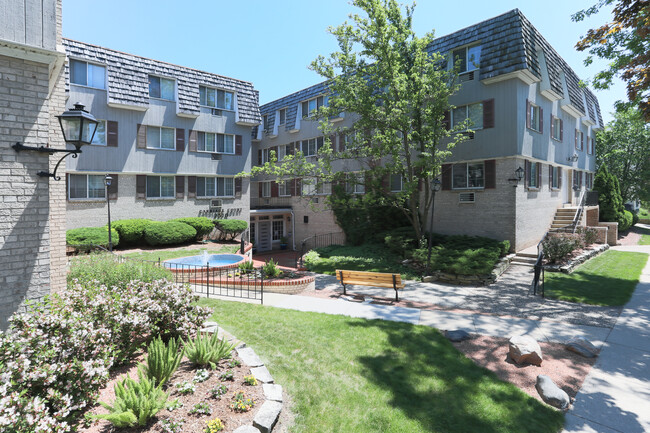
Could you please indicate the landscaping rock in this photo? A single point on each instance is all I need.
(272, 392)
(429, 279)
(262, 374)
(249, 357)
(525, 350)
(209, 324)
(457, 335)
(211, 330)
(247, 429)
(582, 347)
(551, 393)
(267, 416)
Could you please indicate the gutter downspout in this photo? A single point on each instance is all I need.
(293, 230)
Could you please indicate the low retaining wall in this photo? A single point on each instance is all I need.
(281, 285)
(571, 264)
(485, 280)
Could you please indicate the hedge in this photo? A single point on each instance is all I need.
(91, 236)
(168, 233)
(230, 228)
(202, 225)
(131, 230)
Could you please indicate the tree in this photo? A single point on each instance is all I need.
(626, 43)
(609, 196)
(624, 148)
(398, 94)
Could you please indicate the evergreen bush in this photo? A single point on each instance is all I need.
(131, 230)
(230, 228)
(625, 221)
(609, 196)
(271, 269)
(91, 236)
(162, 359)
(635, 218)
(168, 233)
(202, 225)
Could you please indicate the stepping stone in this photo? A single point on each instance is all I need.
(246, 429)
(524, 349)
(267, 416)
(551, 393)
(457, 335)
(582, 347)
(249, 357)
(262, 374)
(272, 392)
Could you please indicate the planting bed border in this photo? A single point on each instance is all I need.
(568, 267)
(281, 285)
(485, 279)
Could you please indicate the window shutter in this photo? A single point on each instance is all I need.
(333, 142)
(582, 141)
(552, 126)
(446, 177)
(191, 186)
(561, 130)
(527, 113)
(298, 183)
(550, 172)
(490, 174)
(446, 120)
(180, 187)
(527, 173)
(559, 177)
(112, 190)
(141, 186)
(142, 137)
(539, 175)
(238, 187)
(259, 157)
(576, 134)
(67, 186)
(274, 189)
(290, 147)
(488, 114)
(541, 119)
(341, 142)
(238, 145)
(180, 140)
(274, 149)
(319, 143)
(111, 133)
(259, 189)
(193, 141)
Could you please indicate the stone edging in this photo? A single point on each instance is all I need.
(267, 415)
(571, 264)
(486, 279)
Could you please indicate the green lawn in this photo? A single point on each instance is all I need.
(644, 213)
(172, 254)
(608, 279)
(645, 235)
(355, 375)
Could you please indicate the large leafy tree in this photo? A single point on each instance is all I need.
(397, 93)
(625, 42)
(624, 148)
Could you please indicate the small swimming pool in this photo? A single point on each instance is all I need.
(209, 260)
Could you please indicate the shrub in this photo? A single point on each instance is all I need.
(311, 258)
(202, 225)
(87, 236)
(609, 196)
(201, 408)
(246, 267)
(635, 218)
(206, 351)
(559, 246)
(162, 359)
(589, 235)
(136, 402)
(271, 269)
(132, 230)
(230, 228)
(107, 270)
(168, 233)
(401, 241)
(625, 220)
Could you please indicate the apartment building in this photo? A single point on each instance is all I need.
(171, 137)
(528, 111)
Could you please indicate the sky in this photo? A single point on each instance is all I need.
(272, 43)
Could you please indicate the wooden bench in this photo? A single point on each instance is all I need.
(376, 279)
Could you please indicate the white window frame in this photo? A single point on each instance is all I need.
(319, 101)
(284, 189)
(555, 177)
(308, 142)
(95, 141)
(96, 65)
(281, 112)
(282, 151)
(533, 114)
(160, 141)
(467, 108)
(467, 175)
(591, 145)
(279, 233)
(394, 177)
(557, 129)
(266, 189)
(160, 187)
(87, 190)
(580, 140)
(216, 98)
(469, 65)
(532, 179)
(202, 141)
(228, 183)
(359, 184)
(173, 81)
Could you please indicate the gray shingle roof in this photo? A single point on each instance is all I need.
(128, 80)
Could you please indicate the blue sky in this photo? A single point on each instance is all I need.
(271, 43)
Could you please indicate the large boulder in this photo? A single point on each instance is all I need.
(582, 347)
(551, 393)
(525, 350)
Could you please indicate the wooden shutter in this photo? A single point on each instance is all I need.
(550, 172)
(341, 142)
(290, 147)
(446, 177)
(180, 187)
(333, 142)
(191, 186)
(559, 177)
(238, 145)
(582, 141)
(180, 140)
(319, 143)
(561, 130)
(541, 119)
(576, 138)
(67, 186)
(259, 157)
(193, 141)
(112, 189)
(274, 149)
(490, 174)
(540, 166)
(111, 133)
(488, 114)
(142, 137)
(527, 113)
(446, 120)
(298, 186)
(552, 127)
(526, 173)
(238, 187)
(274, 189)
(141, 186)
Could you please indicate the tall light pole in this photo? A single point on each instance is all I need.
(435, 187)
(107, 181)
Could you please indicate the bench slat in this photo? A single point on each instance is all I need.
(366, 283)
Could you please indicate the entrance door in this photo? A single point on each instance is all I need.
(263, 236)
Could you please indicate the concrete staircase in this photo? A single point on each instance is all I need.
(564, 216)
(526, 257)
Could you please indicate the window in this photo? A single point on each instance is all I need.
(534, 120)
(555, 177)
(310, 186)
(82, 186)
(160, 186)
(396, 183)
(310, 147)
(282, 151)
(533, 176)
(161, 138)
(278, 229)
(310, 106)
(579, 140)
(468, 175)
(265, 122)
(214, 98)
(283, 189)
(266, 189)
(355, 184)
(283, 117)
(99, 138)
(161, 88)
(215, 143)
(87, 74)
(473, 111)
(591, 143)
(215, 187)
(556, 128)
(589, 180)
(469, 58)
(577, 178)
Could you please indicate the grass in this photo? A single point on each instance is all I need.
(644, 213)
(154, 255)
(609, 279)
(645, 235)
(355, 375)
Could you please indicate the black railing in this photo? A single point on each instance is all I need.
(319, 241)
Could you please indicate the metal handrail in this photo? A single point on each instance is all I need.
(317, 243)
(578, 215)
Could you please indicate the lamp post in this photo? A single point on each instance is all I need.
(435, 187)
(107, 181)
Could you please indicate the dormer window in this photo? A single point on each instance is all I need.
(87, 74)
(283, 117)
(469, 58)
(161, 88)
(216, 98)
(311, 106)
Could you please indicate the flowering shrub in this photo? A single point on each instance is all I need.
(250, 380)
(186, 387)
(201, 376)
(171, 426)
(202, 408)
(218, 391)
(241, 403)
(214, 426)
(559, 245)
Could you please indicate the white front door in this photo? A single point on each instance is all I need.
(263, 229)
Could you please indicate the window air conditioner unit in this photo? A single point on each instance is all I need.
(216, 112)
(216, 157)
(469, 76)
(215, 204)
(466, 197)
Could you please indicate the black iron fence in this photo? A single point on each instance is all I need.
(319, 241)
